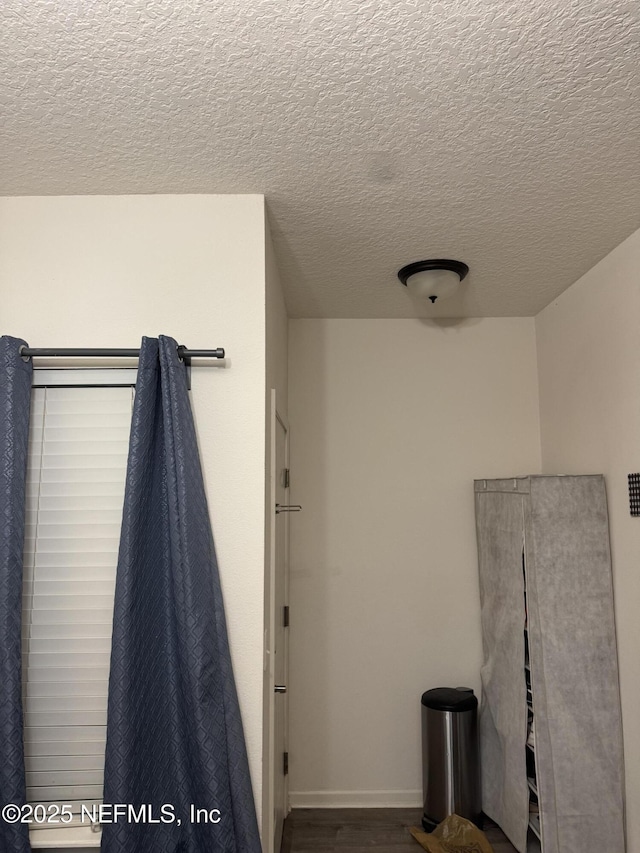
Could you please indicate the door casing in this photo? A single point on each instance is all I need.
(276, 640)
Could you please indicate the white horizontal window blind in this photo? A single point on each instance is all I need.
(78, 447)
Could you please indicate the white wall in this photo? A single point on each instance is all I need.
(589, 369)
(391, 420)
(277, 329)
(103, 271)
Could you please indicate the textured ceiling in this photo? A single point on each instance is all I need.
(506, 134)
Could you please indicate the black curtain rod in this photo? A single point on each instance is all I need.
(183, 353)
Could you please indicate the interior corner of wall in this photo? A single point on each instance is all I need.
(536, 391)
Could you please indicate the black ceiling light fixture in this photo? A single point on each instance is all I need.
(434, 279)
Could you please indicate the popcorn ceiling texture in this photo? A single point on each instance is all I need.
(504, 134)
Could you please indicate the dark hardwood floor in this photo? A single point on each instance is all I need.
(362, 831)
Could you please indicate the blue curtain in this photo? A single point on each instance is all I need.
(174, 733)
(15, 402)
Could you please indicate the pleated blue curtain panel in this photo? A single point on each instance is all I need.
(15, 401)
(174, 732)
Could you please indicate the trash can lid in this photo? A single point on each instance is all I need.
(450, 699)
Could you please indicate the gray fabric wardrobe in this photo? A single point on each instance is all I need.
(547, 616)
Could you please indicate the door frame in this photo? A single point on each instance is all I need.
(270, 616)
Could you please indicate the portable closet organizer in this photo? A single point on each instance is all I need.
(550, 660)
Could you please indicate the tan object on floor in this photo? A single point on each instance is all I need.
(454, 835)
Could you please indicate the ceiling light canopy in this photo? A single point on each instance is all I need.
(435, 279)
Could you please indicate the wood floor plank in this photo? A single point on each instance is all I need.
(360, 830)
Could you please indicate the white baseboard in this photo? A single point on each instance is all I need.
(355, 799)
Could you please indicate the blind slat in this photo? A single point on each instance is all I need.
(92, 477)
(98, 532)
(68, 617)
(81, 631)
(84, 585)
(66, 718)
(67, 703)
(68, 645)
(63, 748)
(88, 687)
(76, 809)
(95, 431)
(91, 420)
(63, 793)
(71, 602)
(79, 514)
(54, 462)
(77, 452)
(62, 574)
(88, 502)
(67, 659)
(40, 778)
(67, 674)
(85, 406)
(64, 734)
(65, 762)
(82, 486)
(77, 558)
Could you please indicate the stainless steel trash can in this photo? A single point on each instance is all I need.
(450, 756)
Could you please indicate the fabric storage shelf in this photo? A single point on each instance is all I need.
(534, 825)
(547, 603)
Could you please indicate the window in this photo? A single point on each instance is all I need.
(78, 448)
